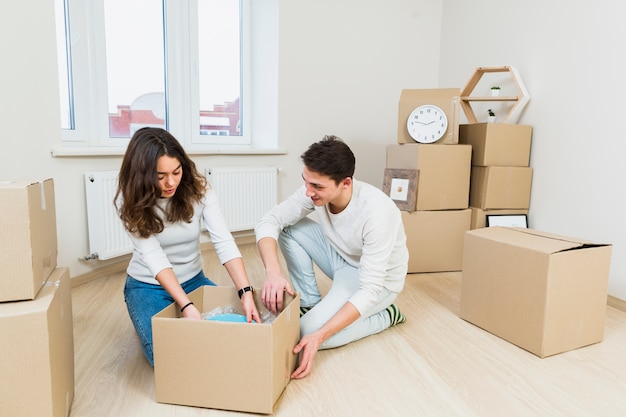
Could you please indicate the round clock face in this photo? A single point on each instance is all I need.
(427, 124)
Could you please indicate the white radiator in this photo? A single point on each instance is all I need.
(107, 237)
(245, 194)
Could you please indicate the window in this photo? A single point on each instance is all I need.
(177, 64)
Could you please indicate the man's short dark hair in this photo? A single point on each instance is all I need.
(330, 156)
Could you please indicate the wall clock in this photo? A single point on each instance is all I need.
(445, 101)
(427, 123)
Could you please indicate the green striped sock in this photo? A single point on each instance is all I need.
(304, 310)
(395, 315)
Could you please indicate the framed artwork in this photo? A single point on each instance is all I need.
(508, 220)
(401, 186)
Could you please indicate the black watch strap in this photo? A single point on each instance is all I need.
(244, 290)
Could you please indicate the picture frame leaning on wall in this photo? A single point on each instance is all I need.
(401, 186)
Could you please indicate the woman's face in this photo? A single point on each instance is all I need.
(169, 173)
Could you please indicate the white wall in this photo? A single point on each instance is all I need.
(341, 69)
(570, 56)
(342, 66)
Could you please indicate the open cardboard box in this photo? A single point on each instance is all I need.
(224, 365)
(542, 292)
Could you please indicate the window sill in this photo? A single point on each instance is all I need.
(105, 151)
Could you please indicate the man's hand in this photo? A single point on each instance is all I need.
(309, 346)
(275, 283)
(273, 291)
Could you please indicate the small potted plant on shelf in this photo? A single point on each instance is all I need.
(495, 91)
(491, 118)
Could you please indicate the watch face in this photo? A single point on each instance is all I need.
(427, 124)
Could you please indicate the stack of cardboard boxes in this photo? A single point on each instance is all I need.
(500, 176)
(36, 327)
(436, 225)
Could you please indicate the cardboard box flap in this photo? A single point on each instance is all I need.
(527, 238)
(574, 243)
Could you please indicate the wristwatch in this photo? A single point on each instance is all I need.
(244, 290)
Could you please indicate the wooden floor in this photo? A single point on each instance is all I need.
(435, 364)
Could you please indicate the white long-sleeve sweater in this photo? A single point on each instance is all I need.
(368, 234)
(178, 245)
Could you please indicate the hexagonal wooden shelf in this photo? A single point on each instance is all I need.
(520, 100)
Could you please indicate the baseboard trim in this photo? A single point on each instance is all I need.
(121, 264)
(616, 303)
(118, 266)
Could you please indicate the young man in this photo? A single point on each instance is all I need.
(358, 241)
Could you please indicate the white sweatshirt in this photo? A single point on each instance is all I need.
(368, 234)
(178, 245)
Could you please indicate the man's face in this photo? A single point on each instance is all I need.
(321, 189)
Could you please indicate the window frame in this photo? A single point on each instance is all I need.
(91, 133)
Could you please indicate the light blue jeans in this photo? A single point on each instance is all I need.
(145, 300)
(305, 243)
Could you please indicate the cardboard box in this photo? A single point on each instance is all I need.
(37, 352)
(497, 143)
(444, 173)
(496, 187)
(28, 242)
(448, 99)
(542, 292)
(228, 366)
(479, 216)
(435, 239)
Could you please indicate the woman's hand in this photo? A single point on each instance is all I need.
(249, 307)
(192, 312)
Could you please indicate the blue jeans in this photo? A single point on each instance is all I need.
(145, 300)
(305, 243)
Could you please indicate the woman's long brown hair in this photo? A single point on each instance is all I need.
(138, 183)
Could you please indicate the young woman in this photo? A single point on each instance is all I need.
(162, 198)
